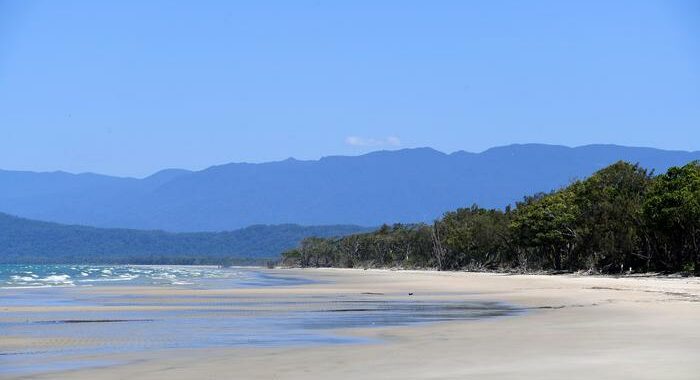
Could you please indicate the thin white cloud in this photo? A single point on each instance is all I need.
(368, 142)
(393, 141)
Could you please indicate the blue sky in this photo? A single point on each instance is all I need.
(130, 87)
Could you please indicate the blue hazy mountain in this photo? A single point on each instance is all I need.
(29, 241)
(407, 185)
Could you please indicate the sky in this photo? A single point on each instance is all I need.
(131, 87)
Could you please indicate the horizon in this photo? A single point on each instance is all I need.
(194, 170)
(190, 85)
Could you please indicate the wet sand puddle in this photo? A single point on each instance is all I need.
(114, 324)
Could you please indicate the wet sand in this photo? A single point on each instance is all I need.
(572, 327)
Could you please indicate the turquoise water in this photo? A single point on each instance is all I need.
(46, 276)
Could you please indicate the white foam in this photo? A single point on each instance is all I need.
(62, 279)
(22, 278)
(27, 286)
(104, 279)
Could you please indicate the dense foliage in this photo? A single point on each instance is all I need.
(29, 241)
(620, 219)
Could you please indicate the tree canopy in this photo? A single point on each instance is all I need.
(620, 219)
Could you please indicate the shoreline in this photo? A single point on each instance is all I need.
(576, 326)
(679, 275)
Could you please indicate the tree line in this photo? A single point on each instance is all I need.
(621, 219)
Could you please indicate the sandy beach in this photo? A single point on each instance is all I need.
(573, 327)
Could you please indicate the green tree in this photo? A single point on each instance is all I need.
(673, 209)
(476, 237)
(610, 230)
(545, 225)
(620, 217)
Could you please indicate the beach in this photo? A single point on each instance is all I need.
(553, 327)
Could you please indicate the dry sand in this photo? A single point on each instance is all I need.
(575, 328)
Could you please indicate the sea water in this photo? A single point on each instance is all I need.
(45, 276)
(101, 323)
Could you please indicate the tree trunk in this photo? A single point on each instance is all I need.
(696, 252)
(438, 250)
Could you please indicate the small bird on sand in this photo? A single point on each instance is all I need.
(410, 294)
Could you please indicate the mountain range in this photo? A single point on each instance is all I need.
(409, 185)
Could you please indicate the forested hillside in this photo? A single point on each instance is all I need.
(29, 241)
(621, 219)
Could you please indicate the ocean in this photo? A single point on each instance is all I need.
(46, 276)
(74, 316)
